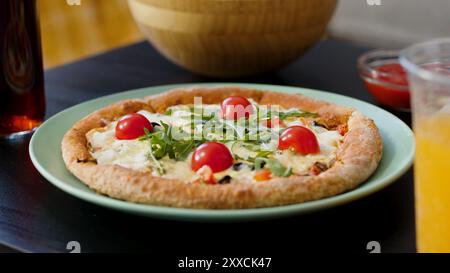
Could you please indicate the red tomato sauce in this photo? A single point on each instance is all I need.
(390, 86)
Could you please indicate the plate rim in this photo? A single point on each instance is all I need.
(211, 215)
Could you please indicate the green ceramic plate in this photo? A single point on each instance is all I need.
(46, 156)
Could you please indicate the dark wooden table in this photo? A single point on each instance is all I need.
(37, 217)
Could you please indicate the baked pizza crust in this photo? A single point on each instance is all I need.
(357, 157)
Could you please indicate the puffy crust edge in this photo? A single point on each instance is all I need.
(357, 157)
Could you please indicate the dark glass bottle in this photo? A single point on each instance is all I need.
(22, 99)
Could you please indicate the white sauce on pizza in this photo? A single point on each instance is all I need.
(134, 154)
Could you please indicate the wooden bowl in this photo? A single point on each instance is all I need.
(229, 38)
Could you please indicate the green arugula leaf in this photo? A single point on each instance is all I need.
(181, 149)
(151, 154)
(163, 144)
(263, 153)
(296, 113)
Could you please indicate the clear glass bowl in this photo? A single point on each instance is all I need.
(385, 78)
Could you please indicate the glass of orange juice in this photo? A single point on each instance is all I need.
(428, 66)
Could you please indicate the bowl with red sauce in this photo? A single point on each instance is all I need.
(385, 78)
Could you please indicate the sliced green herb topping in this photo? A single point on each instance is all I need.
(252, 138)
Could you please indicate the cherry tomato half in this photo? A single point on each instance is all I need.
(213, 154)
(132, 126)
(300, 139)
(236, 107)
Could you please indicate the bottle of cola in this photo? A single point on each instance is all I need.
(22, 100)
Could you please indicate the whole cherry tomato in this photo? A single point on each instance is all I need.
(236, 107)
(132, 126)
(212, 154)
(300, 139)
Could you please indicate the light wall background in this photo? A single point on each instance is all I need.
(73, 32)
(396, 23)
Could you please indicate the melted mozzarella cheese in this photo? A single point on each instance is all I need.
(172, 120)
(108, 150)
(301, 164)
(177, 169)
(133, 154)
(245, 174)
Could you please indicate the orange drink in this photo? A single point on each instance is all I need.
(428, 66)
(432, 186)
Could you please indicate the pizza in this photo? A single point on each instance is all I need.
(222, 148)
